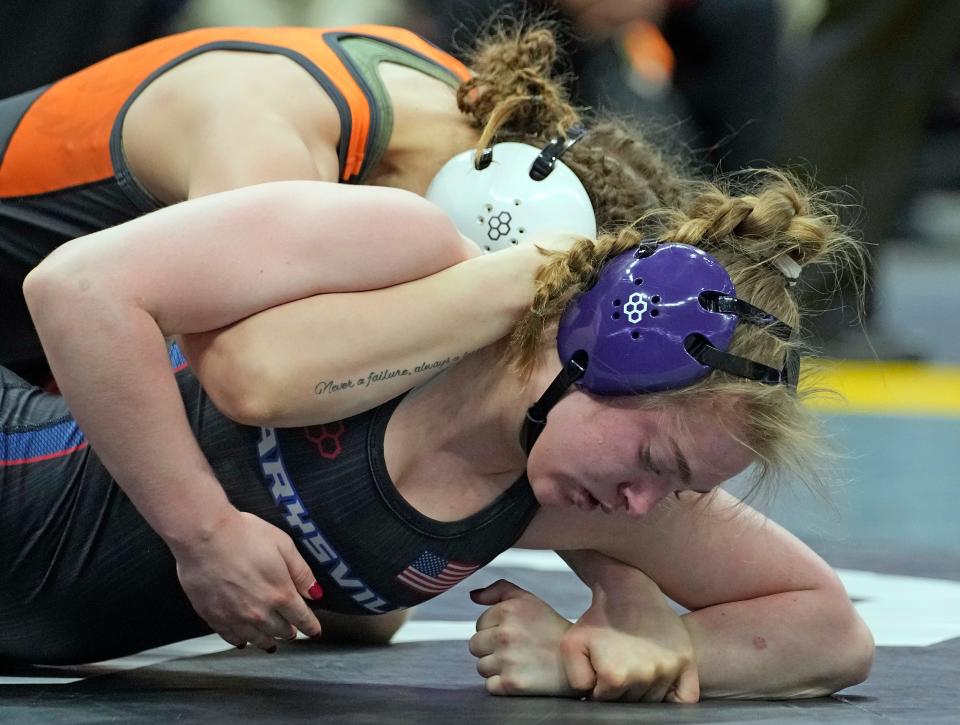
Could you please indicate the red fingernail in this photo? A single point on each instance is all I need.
(315, 591)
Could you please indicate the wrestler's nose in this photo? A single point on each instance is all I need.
(640, 497)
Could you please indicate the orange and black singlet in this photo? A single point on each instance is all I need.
(63, 173)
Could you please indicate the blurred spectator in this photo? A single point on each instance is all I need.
(720, 63)
(44, 40)
(858, 96)
(308, 13)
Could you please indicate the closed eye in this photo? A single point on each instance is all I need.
(682, 464)
(647, 460)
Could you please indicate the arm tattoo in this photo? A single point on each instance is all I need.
(325, 387)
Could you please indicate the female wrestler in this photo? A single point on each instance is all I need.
(215, 109)
(391, 508)
(220, 108)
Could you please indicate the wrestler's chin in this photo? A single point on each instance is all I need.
(550, 494)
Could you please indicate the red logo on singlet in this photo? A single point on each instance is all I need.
(326, 438)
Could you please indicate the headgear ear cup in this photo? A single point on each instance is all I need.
(502, 204)
(632, 324)
(658, 317)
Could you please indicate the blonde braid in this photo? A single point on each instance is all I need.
(561, 278)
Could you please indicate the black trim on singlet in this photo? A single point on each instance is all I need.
(71, 212)
(145, 201)
(519, 493)
(332, 40)
(12, 111)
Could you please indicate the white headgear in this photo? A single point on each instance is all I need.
(514, 194)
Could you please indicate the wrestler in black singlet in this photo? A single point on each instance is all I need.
(84, 578)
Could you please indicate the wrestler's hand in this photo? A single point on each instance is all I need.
(638, 649)
(518, 643)
(248, 582)
(629, 649)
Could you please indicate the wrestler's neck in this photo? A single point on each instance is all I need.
(470, 417)
(425, 136)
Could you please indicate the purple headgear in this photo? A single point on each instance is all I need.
(658, 317)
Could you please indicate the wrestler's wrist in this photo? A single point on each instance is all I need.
(620, 580)
(503, 283)
(185, 533)
(527, 259)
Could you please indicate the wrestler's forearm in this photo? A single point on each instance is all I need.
(603, 573)
(796, 644)
(280, 367)
(117, 379)
(789, 645)
(102, 304)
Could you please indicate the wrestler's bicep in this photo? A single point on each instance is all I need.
(208, 262)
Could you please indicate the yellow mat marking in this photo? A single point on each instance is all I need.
(898, 388)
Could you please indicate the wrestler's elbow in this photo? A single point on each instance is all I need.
(265, 392)
(851, 651)
(45, 283)
(241, 404)
(350, 629)
(35, 286)
(249, 398)
(856, 655)
(238, 381)
(58, 292)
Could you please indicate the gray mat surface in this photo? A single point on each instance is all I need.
(888, 520)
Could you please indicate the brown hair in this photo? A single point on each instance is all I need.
(516, 95)
(746, 222)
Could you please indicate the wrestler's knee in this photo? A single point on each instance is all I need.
(374, 629)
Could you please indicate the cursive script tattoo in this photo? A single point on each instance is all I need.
(325, 387)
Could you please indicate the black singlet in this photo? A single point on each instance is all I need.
(83, 577)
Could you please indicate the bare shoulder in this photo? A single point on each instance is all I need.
(220, 79)
(240, 104)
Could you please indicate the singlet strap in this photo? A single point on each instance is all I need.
(361, 51)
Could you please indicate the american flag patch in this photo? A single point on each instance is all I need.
(434, 574)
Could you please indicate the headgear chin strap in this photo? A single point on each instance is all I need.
(659, 317)
(514, 193)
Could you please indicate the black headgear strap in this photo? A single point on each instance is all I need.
(536, 417)
(544, 163)
(699, 348)
(547, 159)
(706, 354)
